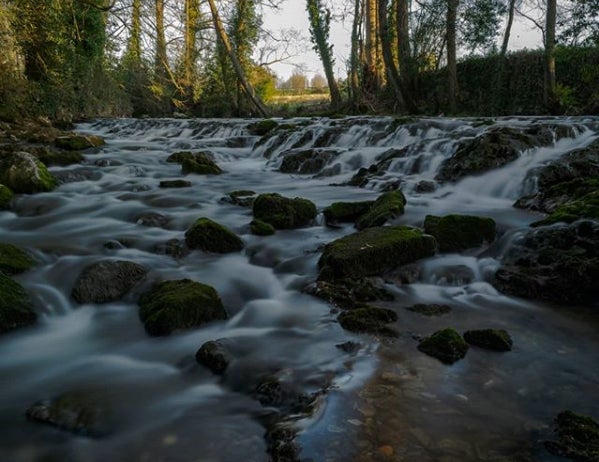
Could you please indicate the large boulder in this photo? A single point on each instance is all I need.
(557, 264)
(24, 173)
(388, 205)
(282, 212)
(76, 142)
(345, 212)
(492, 149)
(374, 251)
(459, 232)
(306, 161)
(16, 309)
(107, 281)
(578, 437)
(179, 304)
(210, 236)
(199, 163)
(6, 196)
(446, 345)
(14, 260)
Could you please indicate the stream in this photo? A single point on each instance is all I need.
(163, 406)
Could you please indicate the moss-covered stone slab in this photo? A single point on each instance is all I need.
(79, 142)
(6, 196)
(578, 437)
(446, 345)
(16, 309)
(585, 207)
(261, 228)
(107, 281)
(215, 355)
(430, 309)
(175, 184)
(368, 319)
(209, 236)
(349, 293)
(282, 212)
(374, 251)
(14, 260)
(345, 212)
(24, 173)
(388, 205)
(459, 232)
(489, 339)
(179, 304)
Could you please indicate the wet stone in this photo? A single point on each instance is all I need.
(431, 309)
(489, 339)
(446, 345)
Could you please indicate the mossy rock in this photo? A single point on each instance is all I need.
(180, 304)
(24, 173)
(175, 184)
(306, 161)
(6, 196)
(430, 309)
(215, 355)
(78, 142)
(446, 345)
(585, 207)
(200, 168)
(551, 197)
(60, 158)
(387, 206)
(348, 293)
(374, 251)
(489, 339)
(262, 127)
(578, 437)
(459, 232)
(14, 260)
(179, 157)
(345, 212)
(16, 309)
(261, 228)
(210, 236)
(282, 212)
(368, 319)
(241, 197)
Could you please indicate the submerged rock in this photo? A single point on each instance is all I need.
(16, 309)
(446, 345)
(210, 236)
(306, 161)
(430, 309)
(374, 251)
(215, 355)
(387, 206)
(175, 184)
(14, 260)
(173, 247)
(345, 212)
(24, 173)
(6, 196)
(107, 281)
(368, 319)
(578, 437)
(282, 212)
(71, 412)
(199, 163)
(261, 228)
(242, 197)
(459, 232)
(179, 304)
(348, 293)
(490, 339)
(557, 264)
(78, 142)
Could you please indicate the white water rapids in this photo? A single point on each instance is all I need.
(165, 407)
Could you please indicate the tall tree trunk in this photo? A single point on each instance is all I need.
(160, 59)
(134, 45)
(192, 16)
(372, 72)
(452, 71)
(508, 28)
(354, 76)
(498, 95)
(550, 99)
(247, 87)
(403, 37)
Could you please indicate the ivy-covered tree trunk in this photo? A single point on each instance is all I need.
(133, 53)
(319, 31)
(452, 71)
(550, 99)
(160, 57)
(354, 77)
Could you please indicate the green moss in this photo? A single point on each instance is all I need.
(459, 232)
(179, 157)
(573, 189)
(14, 260)
(446, 345)
(78, 142)
(262, 127)
(199, 168)
(46, 182)
(6, 196)
(373, 251)
(181, 304)
(585, 207)
(578, 437)
(210, 236)
(387, 206)
(260, 228)
(368, 319)
(349, 293)
(175, 184)
(346, 212)
(282, 212)
(490, 339)
(16, 309)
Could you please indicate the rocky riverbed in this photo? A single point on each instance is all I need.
(303, 289)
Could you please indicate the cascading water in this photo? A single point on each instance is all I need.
(162, 406)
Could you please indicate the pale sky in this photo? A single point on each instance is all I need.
(292, 14)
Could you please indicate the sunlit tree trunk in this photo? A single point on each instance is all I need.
(223, 37)
(372, 72)
(134, 44)
(452, 72)
(354, 76)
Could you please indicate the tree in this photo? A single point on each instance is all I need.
(318, 82)
(550, 100)
(320, 20)
(297, 81)
(452, 70)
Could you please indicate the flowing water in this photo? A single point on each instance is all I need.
(162, 406)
